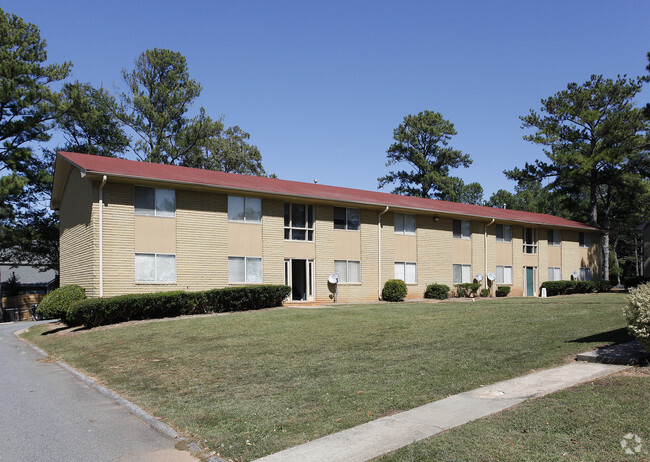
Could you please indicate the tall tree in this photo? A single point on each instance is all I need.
(422, 141)
(87, 121)
(593, 135)
(159, 93)
(27, 110)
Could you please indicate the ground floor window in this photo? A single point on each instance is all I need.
(244, 269)
(504, 274)
(155, 267)
(349, 271)
(462, 274)
(585, 274)
(407, 272)
(554, 273)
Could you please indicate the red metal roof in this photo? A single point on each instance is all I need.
(124, 168)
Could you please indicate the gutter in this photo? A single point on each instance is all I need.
(486, 252)
(101, 236)
(379, 251)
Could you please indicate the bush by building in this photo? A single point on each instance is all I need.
(503, 291)
(437, 291)
(575, 287)
(56, 303)
(394, 290)
(467, 289)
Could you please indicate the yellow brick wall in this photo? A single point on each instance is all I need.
(77, 234)
(517, 261)
(272, 241)
(324, 261)
(542, 251)
(478, 249)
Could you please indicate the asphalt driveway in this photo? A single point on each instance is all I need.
(46, 414)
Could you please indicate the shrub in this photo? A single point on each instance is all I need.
(437, 291)
(485, 292)
(635, 281)
(575, 287)
(56, 303)
(637, 312)
(503, 291)
(111, 310)
(467, 289)
(394, 290)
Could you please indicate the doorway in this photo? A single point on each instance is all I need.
(529, 278)
(299, 275)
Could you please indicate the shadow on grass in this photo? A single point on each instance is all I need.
(613, 336)
(62, 328)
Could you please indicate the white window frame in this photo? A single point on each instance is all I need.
(245, 278)
(154, 212)
(554, 270)
(309, 225)
(462, 267)
(585, 274)
(400, 218)
(465, 229)
(245, 219)
(344, 278)
(554, 238)
(402, 266)
(502, 279)
(532, 246)
(348, 211)
(586, 240)
(505, 237)
(155, 268)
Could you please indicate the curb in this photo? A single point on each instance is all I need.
(128, 405)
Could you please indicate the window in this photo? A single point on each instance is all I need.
(155, 202)
(554, 273)
(345, 218)
(462, 274)
(349, 271)
(298, 222)
(504, 274)
(530, 240)
(407, 272)
(554, 237)
(504, 233)
(585, 241)
(244, 209)
(244, 269)
(404, 224)
(585, 274)
(462, 229)
(155, 268)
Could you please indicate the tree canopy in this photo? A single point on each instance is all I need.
(422, 141)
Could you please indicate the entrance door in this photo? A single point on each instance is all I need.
(530, 281)
(299, 275)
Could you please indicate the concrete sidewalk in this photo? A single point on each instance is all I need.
(387, 434)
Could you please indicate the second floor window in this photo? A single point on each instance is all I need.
(155, 202)
(585, 240)
(462, 229)
(345, 218)
(554, 237)
(404, 224)
(530, 240)
(298, 222)
(504, 233)
(244, 209)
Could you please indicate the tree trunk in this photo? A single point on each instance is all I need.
(606, 244)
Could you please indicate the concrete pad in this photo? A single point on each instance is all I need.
(629, 353)
(387, 434)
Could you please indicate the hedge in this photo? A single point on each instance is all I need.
(56, 303)
(437, 291)
(100, 311)
(394, 290)
(575, 287)
(468, 289)
(503, 291)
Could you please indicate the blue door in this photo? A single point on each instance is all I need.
(529, 281)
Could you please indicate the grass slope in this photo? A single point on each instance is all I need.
(257, 382)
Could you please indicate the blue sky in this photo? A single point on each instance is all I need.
(320, 86)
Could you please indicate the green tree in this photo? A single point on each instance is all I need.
(593, 136)
(159, 93)
(27, 107)
(87, 121)
(529, 196)
(422, 141)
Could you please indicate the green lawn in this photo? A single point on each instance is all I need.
(583, 423)
(254, 383)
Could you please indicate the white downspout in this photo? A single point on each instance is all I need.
(101, 236)
(379, 251)
(486, 252)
